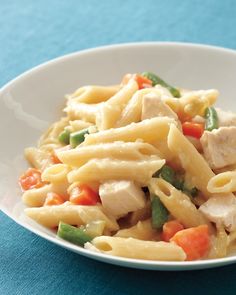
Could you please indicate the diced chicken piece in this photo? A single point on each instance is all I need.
(221, 210)
(121, 197)
(219, 147)
(226, 118)
(154, 106)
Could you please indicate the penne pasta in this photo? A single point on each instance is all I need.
(177, 203)
(93, 93)
(138, 249)
(112, 109)
(50, 216)
(118, 150)
(104, 169)
(135, 131)
(224, 182)
(192, 162)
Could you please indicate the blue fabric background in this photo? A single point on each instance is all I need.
(32, 33)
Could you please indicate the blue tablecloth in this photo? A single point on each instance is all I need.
(32, 32)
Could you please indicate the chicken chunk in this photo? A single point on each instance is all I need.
(154, 106)
(121, 197)
(222, 210)
(226, 118)
(219, 147)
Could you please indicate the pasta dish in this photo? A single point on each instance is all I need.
(141, 169)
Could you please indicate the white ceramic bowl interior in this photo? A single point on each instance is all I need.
(32, 101)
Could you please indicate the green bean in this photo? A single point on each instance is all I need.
(211, 119)
(157, 80)
(159, 212)
(78, 137)
(167, 173)
(64, 136)
(73, 234)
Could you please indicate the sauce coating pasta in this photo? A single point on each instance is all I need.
(141, 169)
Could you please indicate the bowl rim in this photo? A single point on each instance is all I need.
(130, 262)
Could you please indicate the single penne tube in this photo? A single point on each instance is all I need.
(192, 162)
(224, 182)
(50, 216)
(150, 130)
(138, 249)
(220, 243)
(94, 93)
(111, 110)
(177, 203)
(106, 169)
(118, 150)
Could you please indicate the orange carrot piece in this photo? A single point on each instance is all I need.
(193, 129)
(195, 241)
(31, 179)
(84, 195)
(170, 228)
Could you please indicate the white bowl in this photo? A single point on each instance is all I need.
(30, 102)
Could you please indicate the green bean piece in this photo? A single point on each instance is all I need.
(159, 212)
(167, 173)
(157, 80)
(64, 136)
(211, 119)
(78, 137)
(73, 234)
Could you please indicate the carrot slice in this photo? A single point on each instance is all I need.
(193, 129)
(195, 241)
(31, 179)
(170, 228)
(84, 195)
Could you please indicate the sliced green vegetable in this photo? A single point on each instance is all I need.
(167, 173)
(64, 136)
(212, 121)
(157, 80)
(159, 212)
(73, 234)
(77, 137)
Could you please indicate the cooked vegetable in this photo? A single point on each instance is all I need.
(31, 179)
(54, 159)
(64, 136)
(77, 137)
(142, 81)
(157, 80)
(195, 241)
(73, 234)
(84, 195)
(53, 199)
(159, 213)
(193, 129)
(170, 228)
(212, 121)
(169, 175)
